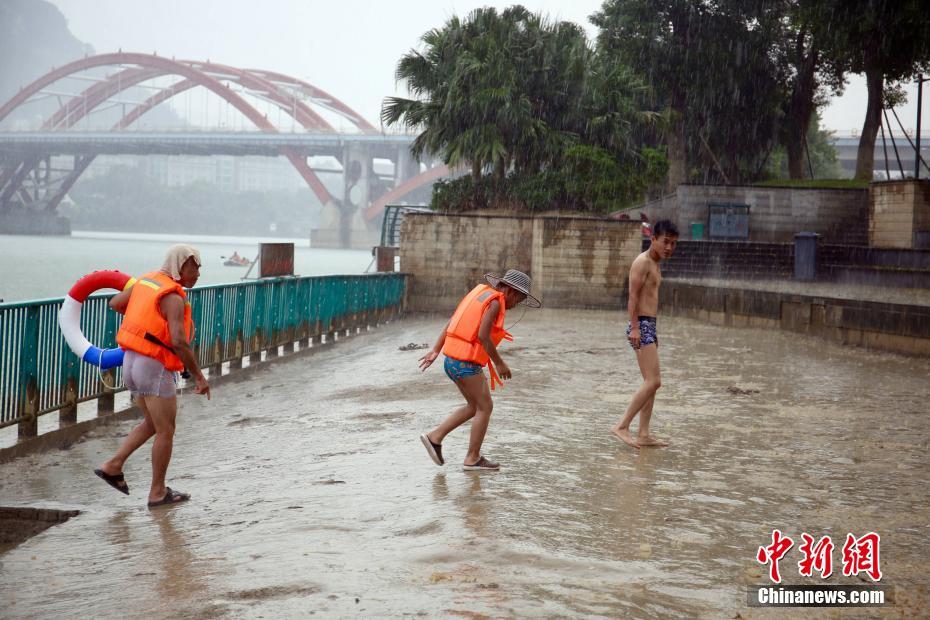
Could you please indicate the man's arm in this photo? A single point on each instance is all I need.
(637, 279)
(172, 306)
(120, 301)
(430, 357)
(484, 336)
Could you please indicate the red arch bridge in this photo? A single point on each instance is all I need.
(31, 183)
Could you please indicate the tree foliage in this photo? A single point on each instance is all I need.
(710, 66)
(521, 97)
(888, 41)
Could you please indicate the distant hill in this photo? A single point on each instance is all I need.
(34, 38)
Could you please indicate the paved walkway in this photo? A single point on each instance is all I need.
(312, 493)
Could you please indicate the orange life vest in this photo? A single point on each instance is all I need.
(145, 328)
(462, 334)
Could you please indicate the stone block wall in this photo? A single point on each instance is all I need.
(574, 261)
(837, 263)
(775, 213)
(899, 211)
(722, 259)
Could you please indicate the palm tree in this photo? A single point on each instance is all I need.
(513, 92)
(483, 91)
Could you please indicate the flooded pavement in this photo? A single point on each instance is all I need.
(312, 493)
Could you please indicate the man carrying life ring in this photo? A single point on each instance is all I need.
(469, 342)
(156, 333)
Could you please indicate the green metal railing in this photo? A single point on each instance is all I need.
(39, 374)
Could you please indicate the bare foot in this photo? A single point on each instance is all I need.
(649, 440)
(623, 434)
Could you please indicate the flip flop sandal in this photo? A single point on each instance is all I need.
(171, 497)
(117, 481)
(482, 464)
(433, 449)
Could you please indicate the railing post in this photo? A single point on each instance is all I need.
(258, 338)
(327, 310)
(236, 359)
(219, 333)
(70, 371)
(306, 314)
(257, 344)
(271, 322)
(106, 402)
(67, 415)
(28, 391)
(290, 304)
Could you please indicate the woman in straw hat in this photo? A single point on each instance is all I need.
(469, 342)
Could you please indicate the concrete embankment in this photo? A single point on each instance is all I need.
(900, 324)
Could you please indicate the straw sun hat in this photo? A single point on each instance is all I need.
(516, 280)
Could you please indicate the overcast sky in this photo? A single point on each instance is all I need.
(346, 47)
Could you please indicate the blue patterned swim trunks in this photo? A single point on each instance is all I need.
(457, 369)
(647, 331)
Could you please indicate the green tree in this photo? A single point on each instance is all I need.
(710, 67)
(822, 163)
(485, 89)
(810, 71)
(888, 41)
(512, 92)
(510, 88)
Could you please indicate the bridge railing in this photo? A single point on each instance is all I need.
(39, 374)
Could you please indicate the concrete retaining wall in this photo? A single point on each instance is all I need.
(836, 263)
(890, 327)
(574, 261)
(722, 259)
(775, 213)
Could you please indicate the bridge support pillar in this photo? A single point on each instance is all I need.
(405, 166)
(344, 226)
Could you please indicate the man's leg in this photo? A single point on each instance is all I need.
(649, 365)
(163, 411)
(137, 436)
(648, 359)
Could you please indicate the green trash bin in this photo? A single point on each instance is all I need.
(697, 230)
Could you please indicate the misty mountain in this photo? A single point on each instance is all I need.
(34, 39)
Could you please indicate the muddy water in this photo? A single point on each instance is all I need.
(312, 492)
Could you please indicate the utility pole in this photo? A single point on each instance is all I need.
(920, 88)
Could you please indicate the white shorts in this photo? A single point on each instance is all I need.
(145, 376)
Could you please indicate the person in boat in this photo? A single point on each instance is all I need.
(156, 334)
(469, 341)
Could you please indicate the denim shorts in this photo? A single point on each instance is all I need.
(457, 369)
(145, 376)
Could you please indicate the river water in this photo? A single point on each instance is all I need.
(36, 267)
(312, 493)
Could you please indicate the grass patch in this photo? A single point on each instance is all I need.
(816, 183)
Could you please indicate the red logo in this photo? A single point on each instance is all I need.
(773, 553)
(861, 555)
(819, 556)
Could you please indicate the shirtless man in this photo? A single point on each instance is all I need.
(643, 305)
